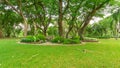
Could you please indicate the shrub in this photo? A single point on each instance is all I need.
(71, 41)
(40, 37)
(36, 38)
(58, 39)
(67, 41)
(75, 37)
(74, 40)
(29, 39)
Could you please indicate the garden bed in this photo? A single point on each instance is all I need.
(52, 44)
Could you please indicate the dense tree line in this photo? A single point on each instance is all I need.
(107, 27)
(65, 18)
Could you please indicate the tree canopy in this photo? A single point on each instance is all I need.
(69, 17)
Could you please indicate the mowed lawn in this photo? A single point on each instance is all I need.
(105, 54)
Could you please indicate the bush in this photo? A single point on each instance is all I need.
(71, 41)
(36, 38)
(75, 41)
(40, 37)
(58, 39)
(29, 39)
(67, 41)
(75, 37)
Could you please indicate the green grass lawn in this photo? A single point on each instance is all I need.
(105, 54)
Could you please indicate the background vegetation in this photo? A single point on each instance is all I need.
(64, 18)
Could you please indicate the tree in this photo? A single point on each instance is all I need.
(61, 14)
(60, 25)
(19, 10)
(8, 26)
(92, 10)
(73, 13)
(116, 21)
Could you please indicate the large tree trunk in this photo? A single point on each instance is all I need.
(82, 29)
(25, 27)
(45, 32)
(60, 25)
(35, 28)
(1, 35)
(69, 30)
(80, 33)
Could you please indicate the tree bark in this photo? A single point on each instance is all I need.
(69, 30)
(82, 29)
(60, 24)
(1, 35)
(35, 28)
(45, 32)
(25, 27)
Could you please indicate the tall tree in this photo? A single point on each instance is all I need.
(20, 11)
(92, 10)
(60, 24)
(62, 10)
(73, 13)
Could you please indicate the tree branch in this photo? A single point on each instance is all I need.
(67, 6)
(12, 6)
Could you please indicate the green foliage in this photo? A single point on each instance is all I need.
(58, 39)
(74, 40)
(8, 20)
(67, 41)
(75, 37)
(36, 38)
(40, 37)
(71, 41)
(29, 39)
(41, 13)
(52, 31)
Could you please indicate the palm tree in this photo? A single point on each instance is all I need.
(116, 19)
